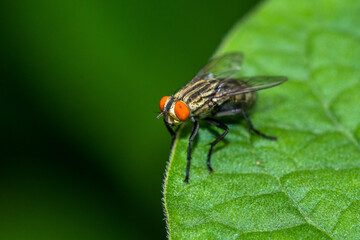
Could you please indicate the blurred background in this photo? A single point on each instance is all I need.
(82, 153)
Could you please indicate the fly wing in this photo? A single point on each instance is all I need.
(232, 87)
(222, 67)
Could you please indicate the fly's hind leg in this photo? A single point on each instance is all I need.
(247, 119)
(218, 139)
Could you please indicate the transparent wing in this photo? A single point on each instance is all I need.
(232, 87)
(222, 67)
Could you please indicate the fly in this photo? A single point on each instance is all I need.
(213, 93)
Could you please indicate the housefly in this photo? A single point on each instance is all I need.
(215, 92)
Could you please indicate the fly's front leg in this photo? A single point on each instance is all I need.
(218, 139)
(192, 136)
(247, 119)
(172, 133)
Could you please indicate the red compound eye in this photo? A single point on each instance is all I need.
(162, 102)
(182, 111)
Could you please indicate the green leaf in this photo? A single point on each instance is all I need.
(305, 185)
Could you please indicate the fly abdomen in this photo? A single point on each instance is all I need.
(245, 100)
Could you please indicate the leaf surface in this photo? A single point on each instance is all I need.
(305, 185)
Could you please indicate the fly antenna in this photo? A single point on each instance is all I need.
(160, 115)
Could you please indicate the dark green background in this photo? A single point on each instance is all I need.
(82, 154)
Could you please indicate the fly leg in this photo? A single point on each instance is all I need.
(172, 133)
(247, 119)
(218, 139)
(192, 136)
